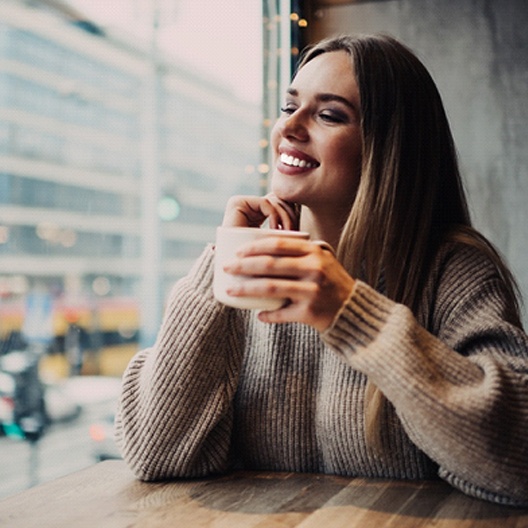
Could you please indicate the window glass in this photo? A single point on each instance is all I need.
(125, 125)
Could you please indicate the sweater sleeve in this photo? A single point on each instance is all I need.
(175, 413)
(461, 394)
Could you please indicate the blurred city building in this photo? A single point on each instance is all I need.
(115, 166)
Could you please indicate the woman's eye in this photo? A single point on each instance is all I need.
(332, 117)
(287, 110)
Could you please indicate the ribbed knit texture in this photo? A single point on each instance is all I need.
(220, 388)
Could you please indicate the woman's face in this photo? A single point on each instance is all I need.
(317, 140)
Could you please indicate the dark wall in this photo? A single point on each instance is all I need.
(477, 51)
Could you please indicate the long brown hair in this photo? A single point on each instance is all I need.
(410, 197)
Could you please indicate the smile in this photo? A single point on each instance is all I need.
(292, 161)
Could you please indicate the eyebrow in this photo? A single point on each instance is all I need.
(325, 97)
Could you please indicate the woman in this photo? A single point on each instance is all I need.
(402, 356)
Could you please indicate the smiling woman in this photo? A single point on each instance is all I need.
(399, 355)
(320, 126)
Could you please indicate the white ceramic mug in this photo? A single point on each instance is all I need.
(228, 240)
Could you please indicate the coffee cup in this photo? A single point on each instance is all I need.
(228, 241)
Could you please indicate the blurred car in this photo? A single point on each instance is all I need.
(28, 405)
(22, 399)
(102, 438)
(60, 407)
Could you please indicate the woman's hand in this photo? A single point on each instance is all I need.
(304, 272)
(253, 211)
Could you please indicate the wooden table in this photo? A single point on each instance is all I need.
(107, 496)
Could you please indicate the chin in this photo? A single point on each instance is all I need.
(284, 192)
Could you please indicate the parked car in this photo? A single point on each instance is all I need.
(22, 405)
(102, 438)
(60, 406)
(27, 405)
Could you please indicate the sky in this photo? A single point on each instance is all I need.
(221, 38)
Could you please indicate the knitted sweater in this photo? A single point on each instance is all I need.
(220, 388)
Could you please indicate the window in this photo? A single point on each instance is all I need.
(98, 128)
(119, 146)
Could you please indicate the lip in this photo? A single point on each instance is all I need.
(290, 169)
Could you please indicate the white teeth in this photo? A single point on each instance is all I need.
(296, 162)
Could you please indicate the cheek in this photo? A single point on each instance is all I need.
(350, 153)
(347, 158)
(348, 169)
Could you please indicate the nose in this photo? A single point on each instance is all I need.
(294, 126)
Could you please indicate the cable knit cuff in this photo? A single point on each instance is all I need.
(475, 491)
(360, 320)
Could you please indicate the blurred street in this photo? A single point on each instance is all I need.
(65, 447)
(109, 361)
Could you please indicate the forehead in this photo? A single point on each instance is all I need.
(330, 72)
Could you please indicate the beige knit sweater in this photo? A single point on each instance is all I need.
(220, 388)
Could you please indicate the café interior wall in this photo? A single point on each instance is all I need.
(477, 52)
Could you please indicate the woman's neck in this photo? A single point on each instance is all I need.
(322, 227)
